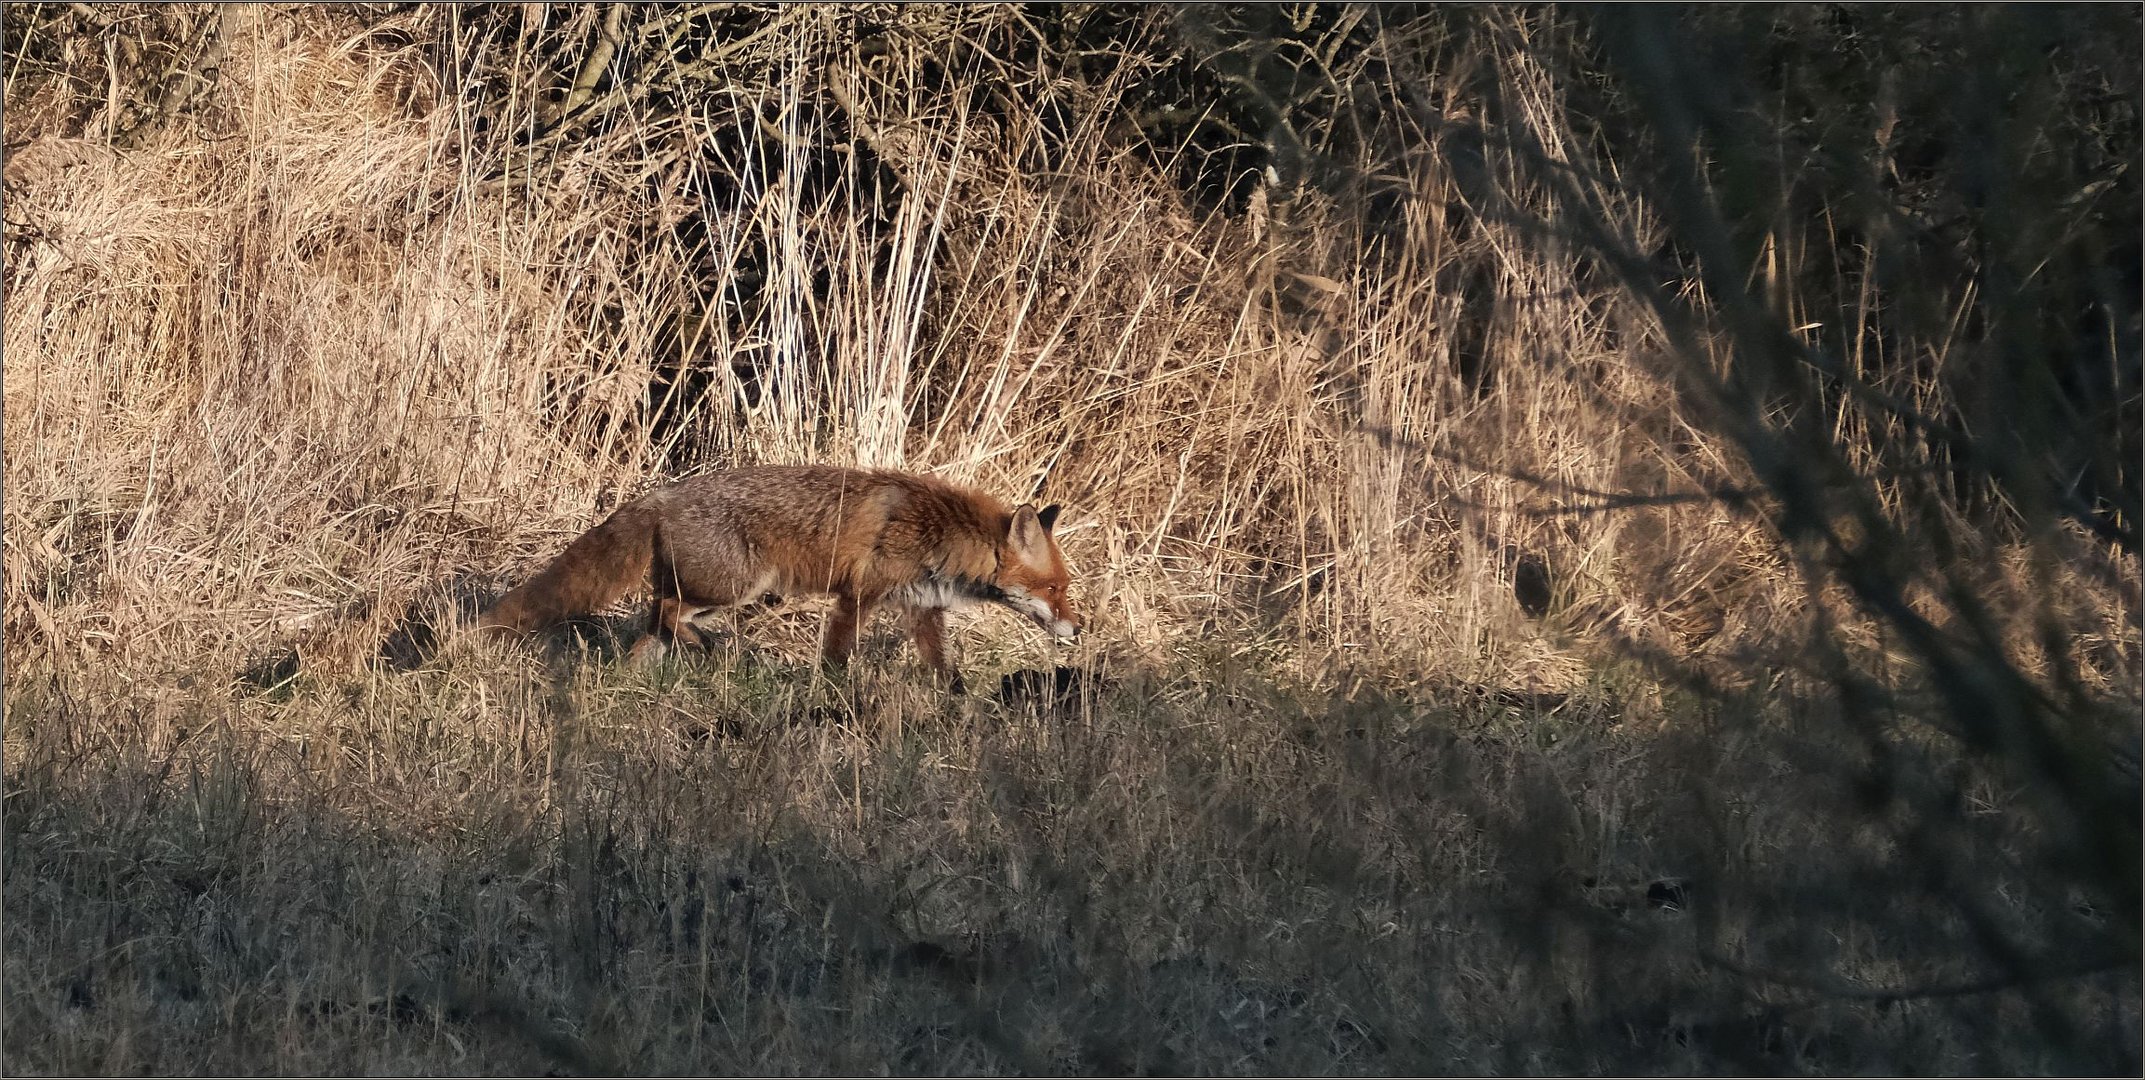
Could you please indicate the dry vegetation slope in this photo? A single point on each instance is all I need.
(381, 314)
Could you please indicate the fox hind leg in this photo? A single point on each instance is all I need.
(671, 618)
(669, 621)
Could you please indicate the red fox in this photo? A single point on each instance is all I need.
(868, 536)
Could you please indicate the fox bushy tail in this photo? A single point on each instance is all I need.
(595, 570)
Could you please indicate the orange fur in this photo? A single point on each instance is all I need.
(869, 537)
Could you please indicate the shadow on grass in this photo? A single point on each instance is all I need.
(1154, 873)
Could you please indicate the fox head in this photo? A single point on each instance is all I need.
(1032, 578)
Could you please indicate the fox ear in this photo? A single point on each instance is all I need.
(1025, 530)
(1048, 516)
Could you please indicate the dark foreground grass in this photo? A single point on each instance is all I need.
(722, 867)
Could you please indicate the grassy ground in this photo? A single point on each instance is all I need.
(726, 864)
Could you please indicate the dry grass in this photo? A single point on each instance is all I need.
(312, 357)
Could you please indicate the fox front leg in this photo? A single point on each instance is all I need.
(843, 626)
(928, 627)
